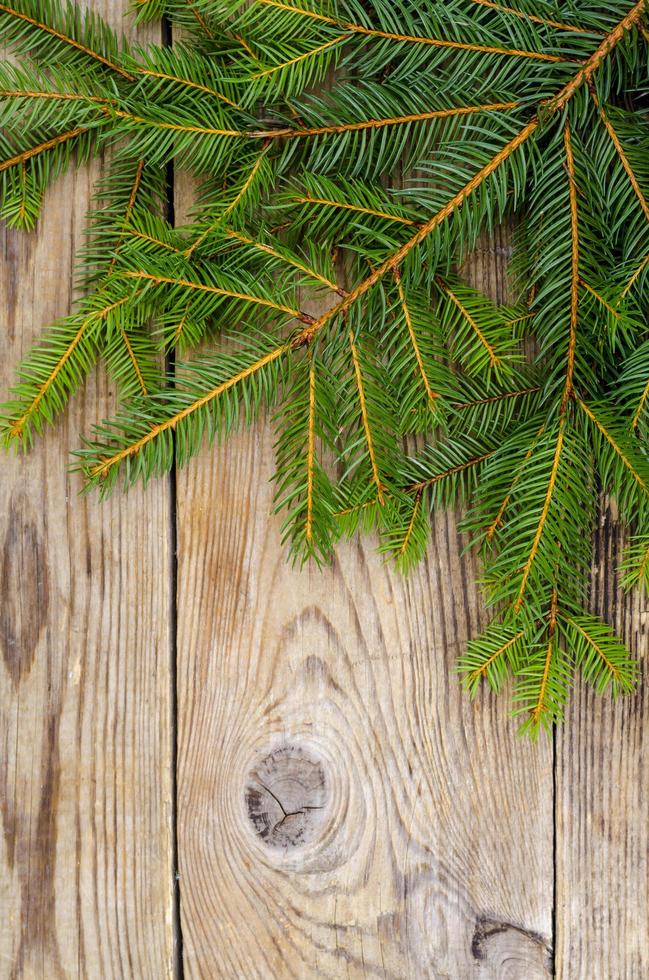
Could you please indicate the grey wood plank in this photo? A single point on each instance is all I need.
(86, 881)
(602, 781)
(344, 810)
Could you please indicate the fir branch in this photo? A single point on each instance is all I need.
(541, 705)
(533, 18)
(159, 280)
(53, 371)
(452, 471)
(636, 275)
(345, 206)
(130, 357)
(491, 657)
(634, 382)
(178, 127)
(492, 399)
(624, 160)
(641, 404)
(245, 187)
(540, 527)
(349, 28)
(327, 45)
(34, 151)
(143, 236)
(304, 490)
(55, 96)
(604, 660)
(362, 400)
(621, 452)
(139, 373)
(130, 204)
(411, 526)
(288, 134)
(139, 362)
(605, 48)
(635, 564)
(239, 196)
(593, 292)
(15, 13)
(167, 77)
(431, 395)
(202, 23)
(494, 360)
(445, 212)
(471, 407)
(183, 69)
(427, 462)
(493, 527)
(98, 469)
(480, 117)
(285, 259)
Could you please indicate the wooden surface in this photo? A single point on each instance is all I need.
(86, 883)
(602, 797)
(340, 808)
(344, 811)
(336, 690)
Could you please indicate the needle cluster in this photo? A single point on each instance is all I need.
(438, 121)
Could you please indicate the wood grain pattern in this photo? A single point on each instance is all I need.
(344, 811)
(602, 782)
(85, 632)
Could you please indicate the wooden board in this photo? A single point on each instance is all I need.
(602, 782)
(344, 811)
(86, 879)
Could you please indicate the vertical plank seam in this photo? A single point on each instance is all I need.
(178, 953)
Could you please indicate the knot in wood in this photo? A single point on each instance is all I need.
(286, 796)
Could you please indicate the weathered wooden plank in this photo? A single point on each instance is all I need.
(602, 780)
(344, 811)
(85, 741)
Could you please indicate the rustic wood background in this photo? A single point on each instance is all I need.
(214, 766)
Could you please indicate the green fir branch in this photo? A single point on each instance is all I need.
(355, 155)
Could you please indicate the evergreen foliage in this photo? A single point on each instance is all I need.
(438, 121)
